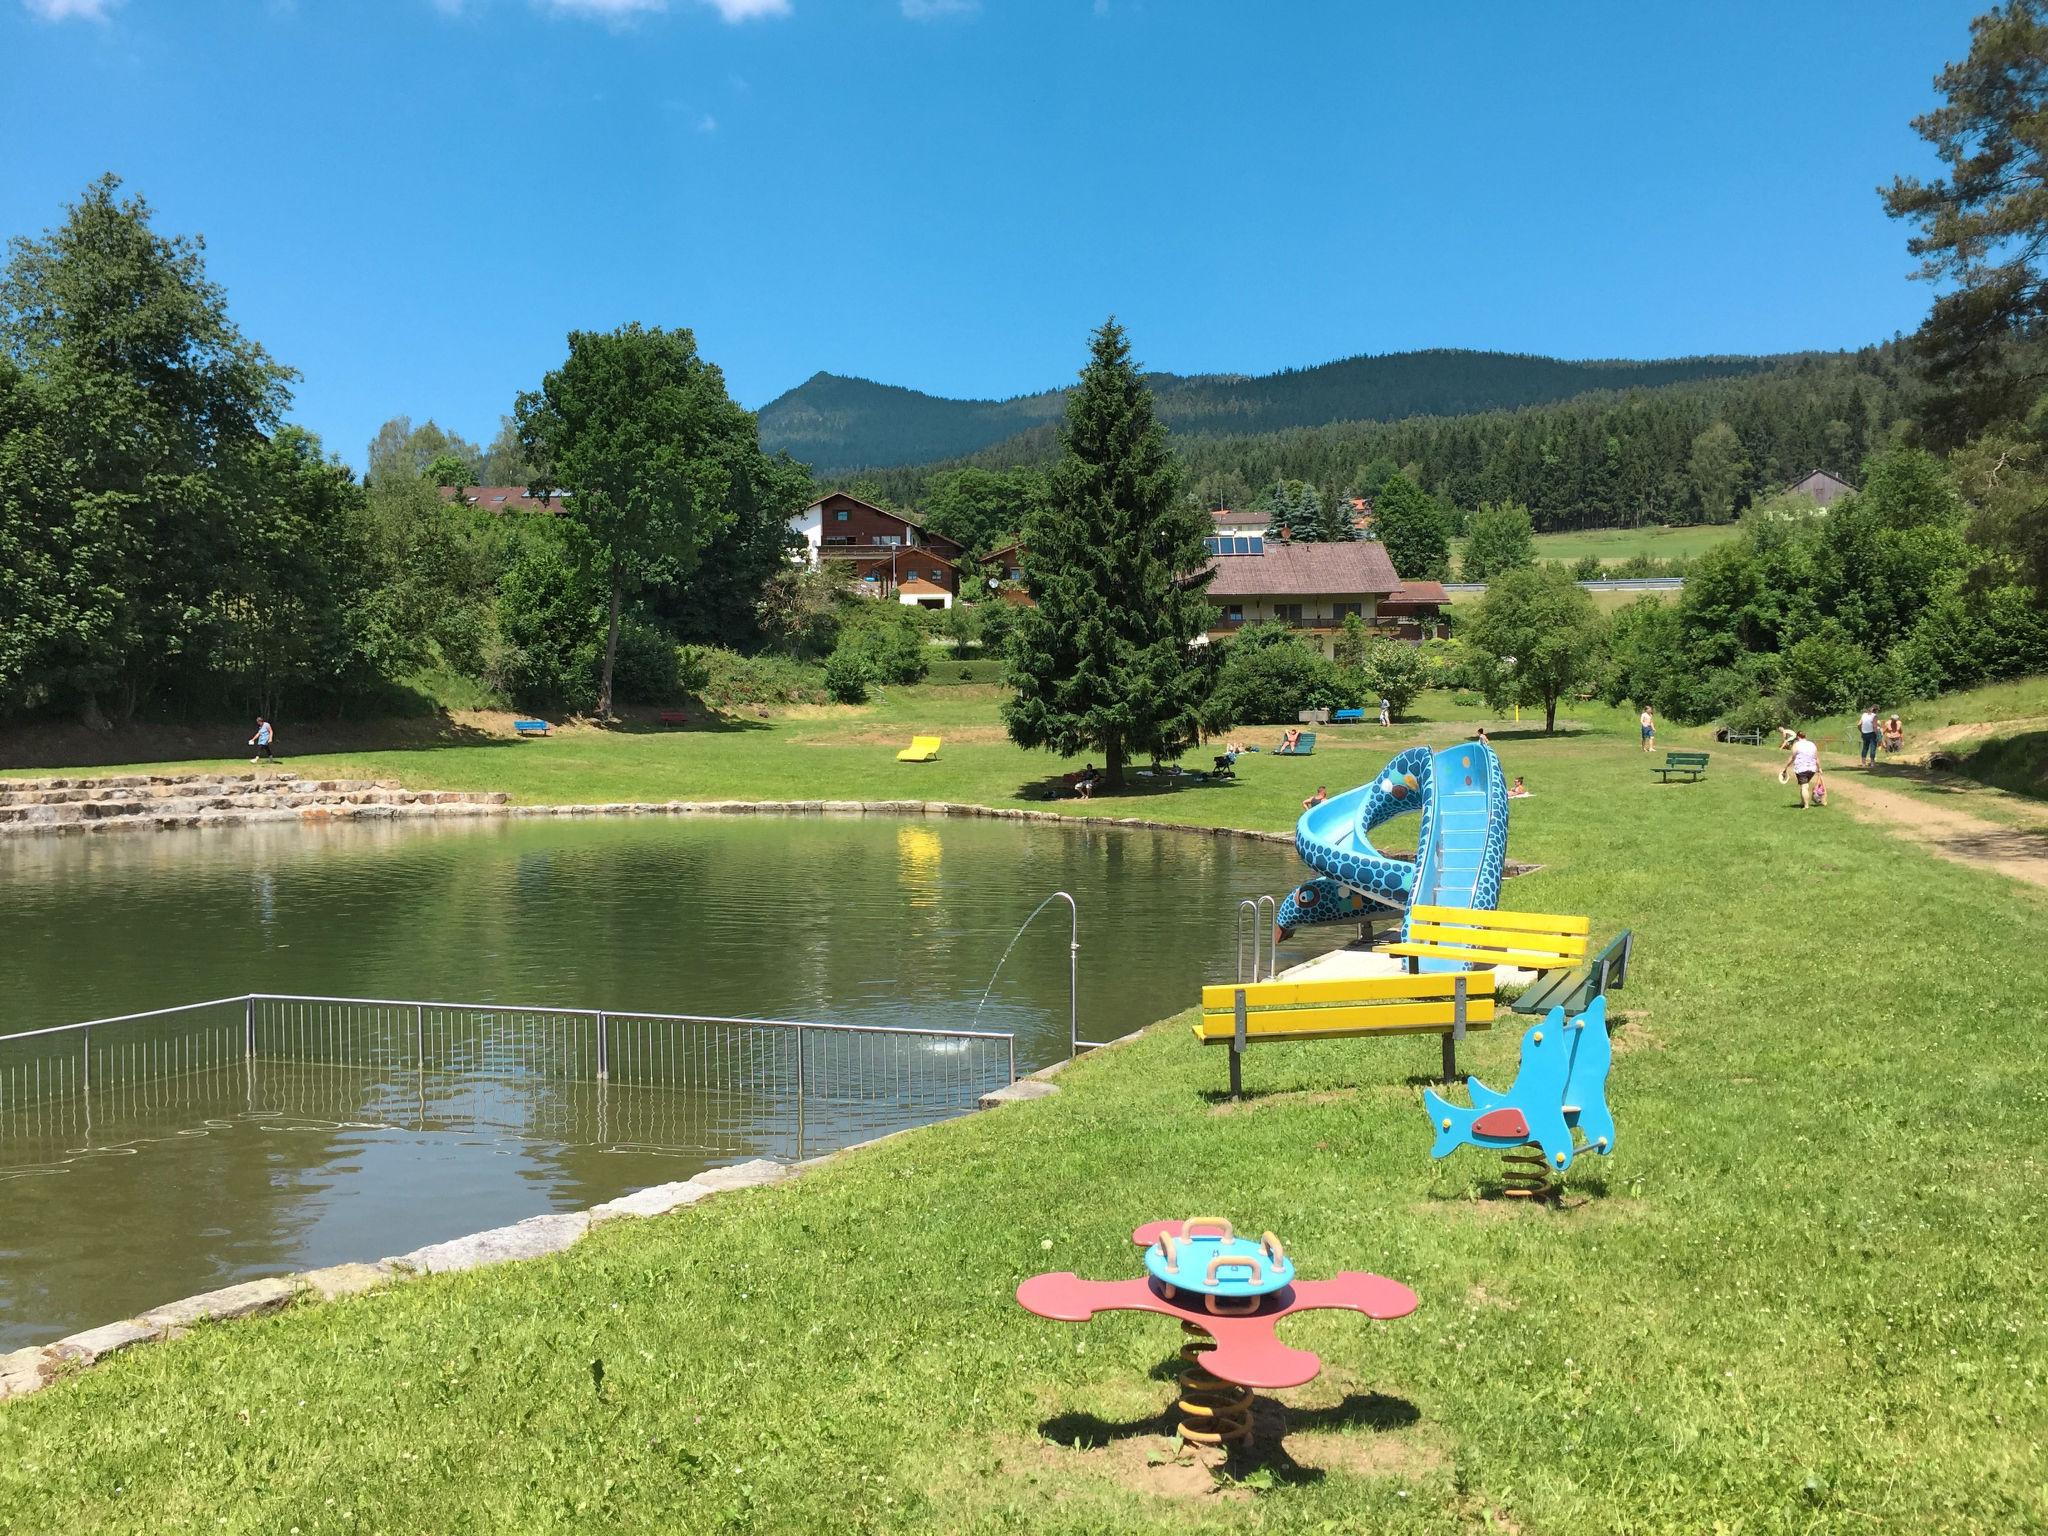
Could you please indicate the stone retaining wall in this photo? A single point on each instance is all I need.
(168, 802)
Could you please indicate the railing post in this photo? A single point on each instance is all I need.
(249, 1026)
(604, 1053)
(1073, 988)
(800, 1093)
(85, 1077)
(1457, 1027)
(1237, 1045)
(419, 1037)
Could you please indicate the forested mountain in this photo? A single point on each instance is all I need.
(837, 424)
(1685, 452)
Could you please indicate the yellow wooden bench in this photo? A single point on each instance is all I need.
(1261, 1011)
(922, 749)
(1529, 941)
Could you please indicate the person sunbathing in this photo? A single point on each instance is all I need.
(1520, 791)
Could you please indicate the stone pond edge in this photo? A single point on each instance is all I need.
(427, 808)
(28, 1370)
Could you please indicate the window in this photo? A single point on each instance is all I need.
(839, 539)
(890, 539)
(1234, 614)
(1340, 611)
(1287, 613)
(1016, 573)
(841, 515)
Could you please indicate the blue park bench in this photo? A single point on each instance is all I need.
(531, 727)
(1347, 717)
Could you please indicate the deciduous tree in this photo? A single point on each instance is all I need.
(1502, 539)
(640, 435)
(1538, 630)
(1407, 519)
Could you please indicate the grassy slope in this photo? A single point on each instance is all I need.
(1803, 1295)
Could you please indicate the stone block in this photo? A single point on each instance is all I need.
(96, 1344)
(529, 1239)
(244, 1300)
(1017, 1093)
(339, 1280)
(657, 1201)
(24, 1371)
(743, 1175)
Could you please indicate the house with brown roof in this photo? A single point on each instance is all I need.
(502, 498)
(1822, 487)
(883, 549)
(1313, 588)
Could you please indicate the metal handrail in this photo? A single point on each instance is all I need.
(148, 1013)
(1258, 907)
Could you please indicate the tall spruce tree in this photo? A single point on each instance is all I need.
(1106, 661)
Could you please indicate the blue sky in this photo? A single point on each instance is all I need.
(413, 201)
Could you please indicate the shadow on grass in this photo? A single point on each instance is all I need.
(1272, 1422)
(1147, 791)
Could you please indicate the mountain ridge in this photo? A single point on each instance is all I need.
(841, 424)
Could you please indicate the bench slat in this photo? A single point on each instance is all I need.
(1524, 959)
(1523, 922)
(1295, 994)
(1372, 1019)
(1466, 938)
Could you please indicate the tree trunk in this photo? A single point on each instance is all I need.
(1113, 764)
(1549, 713)
(611, 654)
(90, 717)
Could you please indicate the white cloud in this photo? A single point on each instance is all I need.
(70, 10)
(749, 10)
(707, 124)
(929, 10)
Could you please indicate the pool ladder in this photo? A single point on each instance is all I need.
(1266, 907)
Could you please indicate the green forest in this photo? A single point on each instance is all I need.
(842, 425)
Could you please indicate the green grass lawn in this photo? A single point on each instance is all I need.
(1803, 1295)
(1614, 545)
(840, 752)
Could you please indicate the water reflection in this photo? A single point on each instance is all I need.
(859, 921)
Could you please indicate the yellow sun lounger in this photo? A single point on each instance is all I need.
(922, 749)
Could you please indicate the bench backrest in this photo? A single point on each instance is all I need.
(1686, 759)
(924, 743)
(1305, 743)
(1471, 933)
(1370, 1005)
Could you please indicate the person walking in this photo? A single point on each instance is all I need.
(262, 739)
(1386, 710)
(1866, 727)
(1804, 766)
(1648, 722)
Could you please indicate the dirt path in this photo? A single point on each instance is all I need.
(1948, 834)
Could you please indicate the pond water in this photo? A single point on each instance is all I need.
(228, 1173)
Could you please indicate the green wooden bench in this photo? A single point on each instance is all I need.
(1692, 764)
(1304, 746)
(1445, 1004)
(1574, 990)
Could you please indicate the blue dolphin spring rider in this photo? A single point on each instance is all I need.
(1560, 1089)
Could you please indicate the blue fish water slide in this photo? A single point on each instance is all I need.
(1461, 845)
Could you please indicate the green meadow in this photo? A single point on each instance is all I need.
(1803, 1295)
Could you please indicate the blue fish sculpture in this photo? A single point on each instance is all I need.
(1560, 1087)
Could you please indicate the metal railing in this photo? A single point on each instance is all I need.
(779, 1086)
(1255, 909)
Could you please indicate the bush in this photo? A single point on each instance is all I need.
(1825, 672)
(1759, 713)
(647, 669)
(892, 643)
(1391, 670)
(1271, 680)
(1586, 568)
(727, 680)
(847, 676)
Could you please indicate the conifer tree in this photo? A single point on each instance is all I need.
(1106, 661)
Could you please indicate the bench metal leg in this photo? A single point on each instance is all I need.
(1236, 1073)
(1450, 1059)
